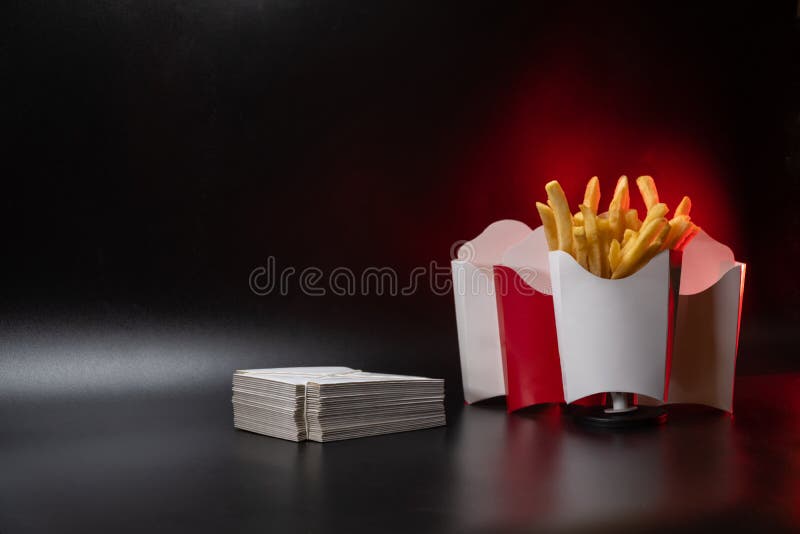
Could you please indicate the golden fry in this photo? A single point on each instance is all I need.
(581, 249)
(679, 226)
(620, 202)
(662, 235)
(562, 215)
(652, 250)
(592, 195)
(577, 219)
(622, 193)
(604, 237)
(614, 254)
(636, 251)
(632, 220)
(655, 212)
(647, 187)
(603, 226)
(593, 240)
(684, 207)
(688, 237)
(628, 238)
(549, 223)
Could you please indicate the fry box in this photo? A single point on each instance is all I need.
(707, 325)
(668, 333)
(476, 308)
(613, 335)
(527, 324)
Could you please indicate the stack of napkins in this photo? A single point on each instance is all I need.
(331, 403)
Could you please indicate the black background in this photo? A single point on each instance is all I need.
(156, 152)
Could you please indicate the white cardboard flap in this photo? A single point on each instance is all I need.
(705, 261)
(476, 309)
(488, 248)
(612, 334)
(478, 332)
(706, 340)
(530, 258)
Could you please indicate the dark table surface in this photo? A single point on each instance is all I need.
(175, 464)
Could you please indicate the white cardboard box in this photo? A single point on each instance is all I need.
(612, 334)
(476, 308)
(707, 325)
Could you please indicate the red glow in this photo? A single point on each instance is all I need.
(555, 126)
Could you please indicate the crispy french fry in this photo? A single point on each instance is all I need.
(653, 249)
(622, 191)
(620, 202)
(614, 254)
(637, 250)
(662, 235)
(656, 211)
(604, 237)
(577, 219)
(632, 220)
(628, 238)
(687, 238)
(603, 226)
(592, 195)
(549, 223)
(684, 207)
(562, 215)
(651, 252)
(679, 226)
(592, 240)
(581, 248)
(647, 187)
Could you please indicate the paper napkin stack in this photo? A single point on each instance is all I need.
(332, 403)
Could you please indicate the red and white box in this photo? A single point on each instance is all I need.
(527, 324)
(546, 330)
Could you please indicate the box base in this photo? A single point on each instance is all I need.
(599, 417)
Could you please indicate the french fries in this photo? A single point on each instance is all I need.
(614, 254)
(679, 227)
(617, 243)
(592, 240)
(656, 211)
(647, 187)
(636, 253)
(693, 231)
(581, 249)
(616, 209)
(591, 198)
(549, 222)
(630, 233)
(604, 235)
(563, 217)
(684, 207)
(632, 220)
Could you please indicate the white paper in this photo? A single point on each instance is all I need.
(331, 403)
(294, 375)
(325, 375)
